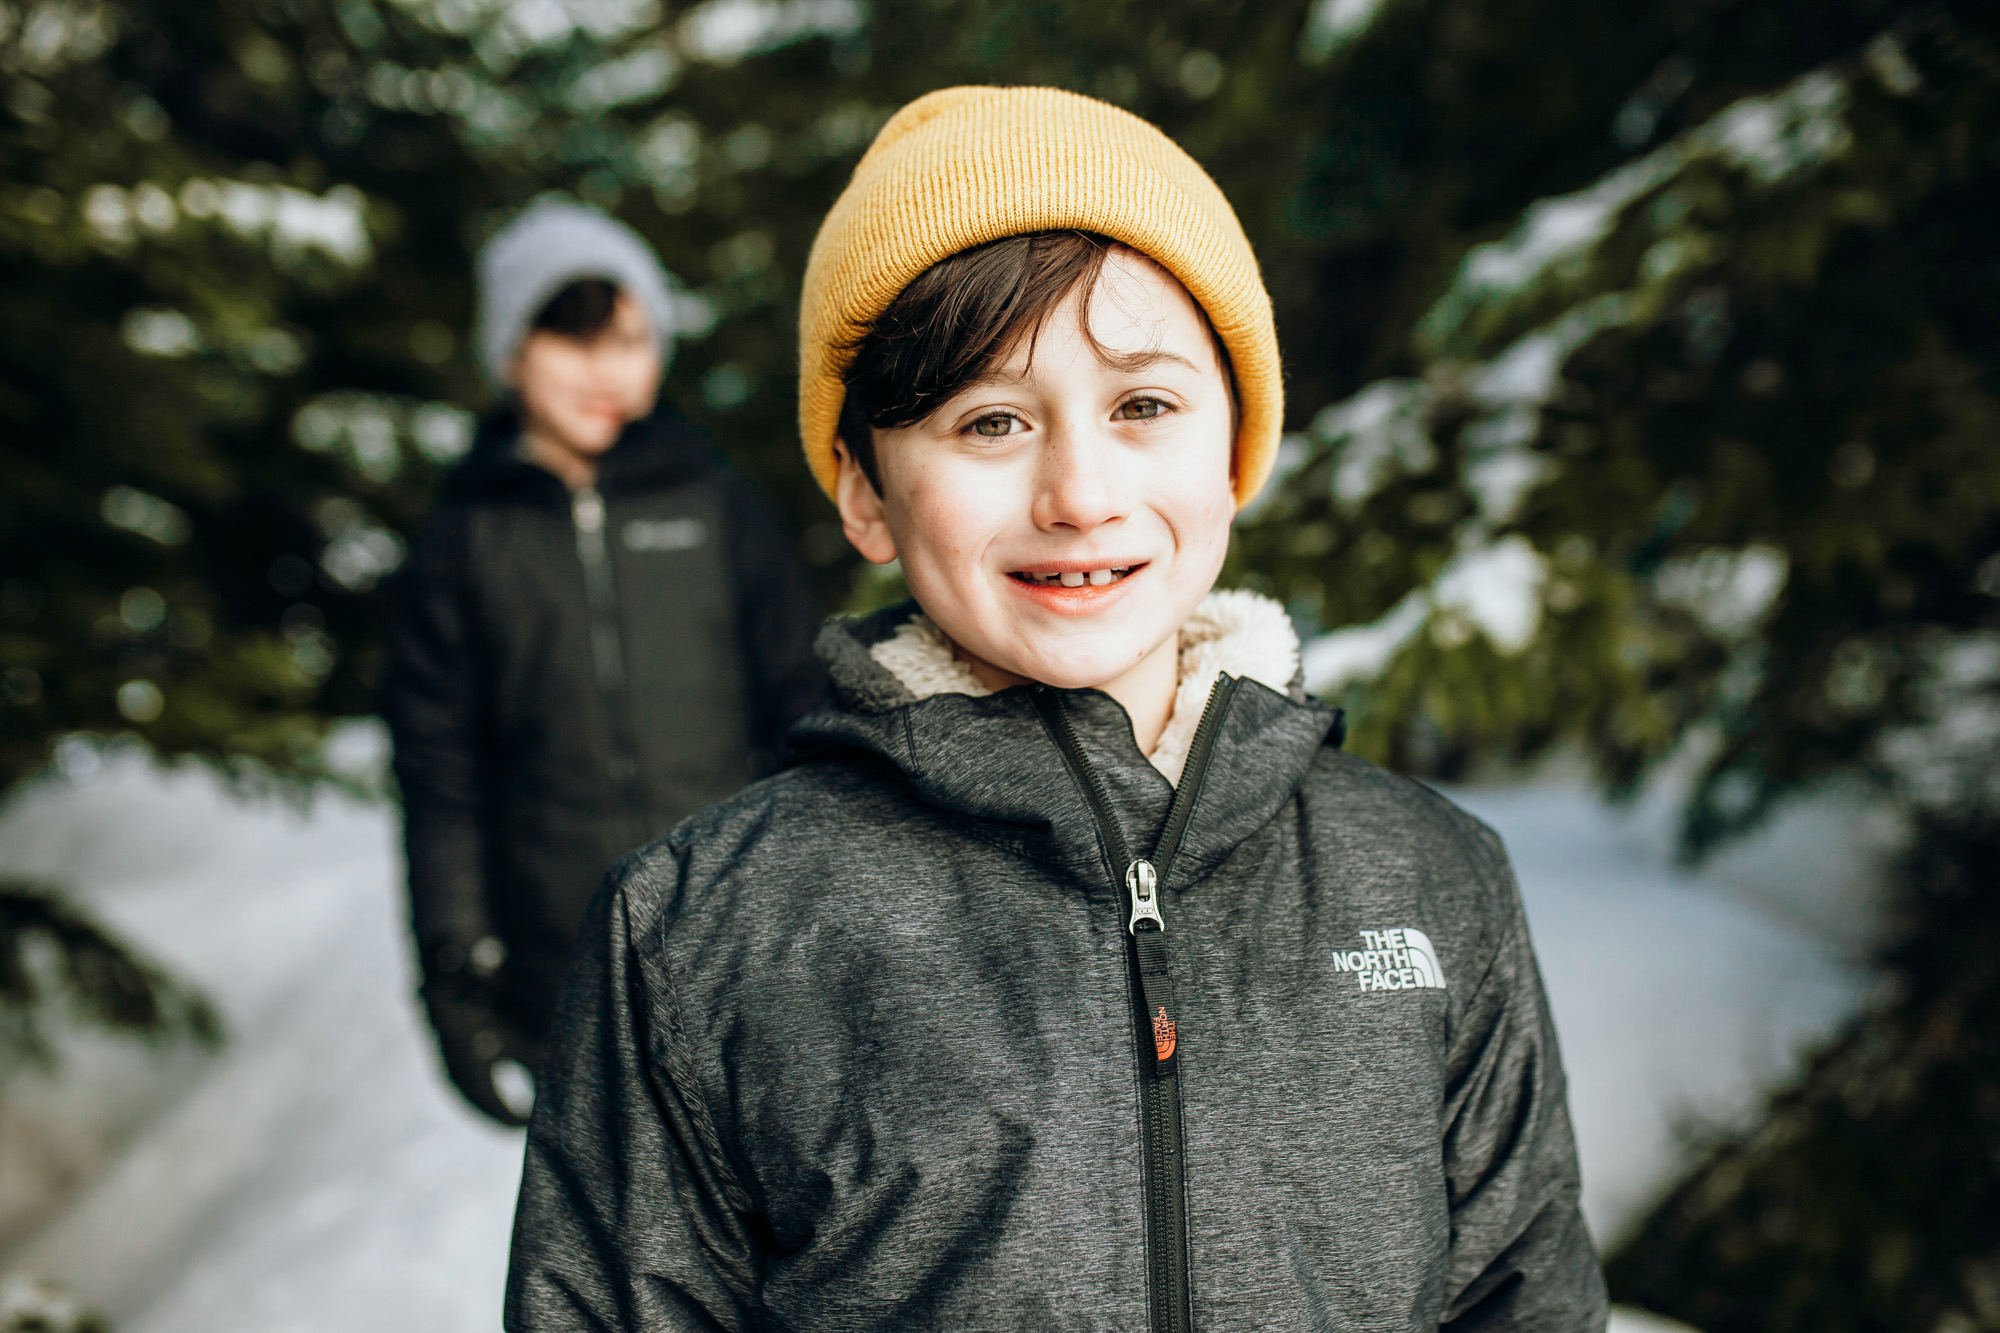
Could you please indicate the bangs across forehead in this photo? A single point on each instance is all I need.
(962, 315)
(959, 318)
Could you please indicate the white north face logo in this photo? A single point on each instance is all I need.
(665, 534)
(1400, 959)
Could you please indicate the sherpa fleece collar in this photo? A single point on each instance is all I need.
(1235, 631)
(988, 757)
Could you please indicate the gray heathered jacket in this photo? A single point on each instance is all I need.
(855, 1049)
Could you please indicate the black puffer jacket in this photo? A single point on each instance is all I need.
(570, 676)
(892, 1041)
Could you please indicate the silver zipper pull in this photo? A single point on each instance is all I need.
(587, 510)
(1143, 885)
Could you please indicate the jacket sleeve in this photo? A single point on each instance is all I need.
(1520, 1255)
(776, 624)
(629, 1217)
(430, 696)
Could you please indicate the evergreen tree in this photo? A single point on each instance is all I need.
(237, 244)
(1698, 450)
(256, 220)
(1866, 1198)
(1700, 444)
(55, 960)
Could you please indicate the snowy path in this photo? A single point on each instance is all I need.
(317, 1177)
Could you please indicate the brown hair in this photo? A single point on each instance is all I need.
(580, 309)
(960, 316)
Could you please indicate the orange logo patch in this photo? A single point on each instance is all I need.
(1163, 1035)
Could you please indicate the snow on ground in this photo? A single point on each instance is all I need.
(317, 1176)
(1677, 1002)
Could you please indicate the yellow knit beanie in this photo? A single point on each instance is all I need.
(963, 166)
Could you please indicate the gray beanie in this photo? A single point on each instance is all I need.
(549, 245)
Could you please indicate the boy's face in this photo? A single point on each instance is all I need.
(1060, 519)
(580, 394)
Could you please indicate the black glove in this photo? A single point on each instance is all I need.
(475, 1041)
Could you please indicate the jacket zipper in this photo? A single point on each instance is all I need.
(1156, 1017)
(607, 651)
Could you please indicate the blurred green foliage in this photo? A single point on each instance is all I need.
(1701, 449)
(55, 960)
(236, 241)
(1700, 452)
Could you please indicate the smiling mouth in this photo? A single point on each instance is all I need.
(1074, 578)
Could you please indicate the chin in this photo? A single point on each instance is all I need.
(1073, 679)
(594, 435)
(1074, 670)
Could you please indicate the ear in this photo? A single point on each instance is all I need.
(862, 516)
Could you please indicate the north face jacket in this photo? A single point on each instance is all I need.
(973, 1020)
(570, 675)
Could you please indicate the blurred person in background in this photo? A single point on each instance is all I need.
(601, 629)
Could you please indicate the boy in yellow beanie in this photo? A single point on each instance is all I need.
(1073, 977)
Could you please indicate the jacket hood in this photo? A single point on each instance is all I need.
(988, 758)
(655, 452)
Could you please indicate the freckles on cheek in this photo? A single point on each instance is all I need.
(946, 518)
(928, 528)
(1209, 511)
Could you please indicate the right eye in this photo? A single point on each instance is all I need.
(995, 425)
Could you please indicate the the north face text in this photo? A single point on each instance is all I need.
(1399, 959)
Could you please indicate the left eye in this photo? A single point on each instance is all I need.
(998, 424)
(1140, 409)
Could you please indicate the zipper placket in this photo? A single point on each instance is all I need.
(1156, 1015)
(607, 649)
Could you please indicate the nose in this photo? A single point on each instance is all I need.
(1078, 482)
(601, 368)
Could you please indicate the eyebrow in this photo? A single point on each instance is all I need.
(1125, 363)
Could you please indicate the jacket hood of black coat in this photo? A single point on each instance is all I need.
(654, 453)
(991, 762)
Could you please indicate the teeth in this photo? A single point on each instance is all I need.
(1096, 578)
